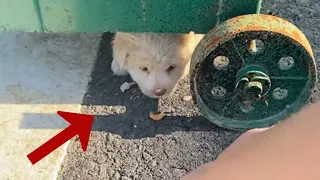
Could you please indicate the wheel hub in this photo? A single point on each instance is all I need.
(253, 82)
(252, 71)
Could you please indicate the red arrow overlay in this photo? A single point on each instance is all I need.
(79, 124)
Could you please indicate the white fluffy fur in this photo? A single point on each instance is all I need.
(147, 57)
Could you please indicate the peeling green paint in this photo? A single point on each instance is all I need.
(176, 16)
(39, 15)
(16, 15)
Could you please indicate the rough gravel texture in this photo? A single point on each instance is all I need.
(125, 144)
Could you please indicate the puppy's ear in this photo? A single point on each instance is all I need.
(189, 42)
(191, 39)
(186, 39)
(121, 45)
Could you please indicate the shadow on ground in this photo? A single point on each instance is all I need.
(126, 113)
(125, 144)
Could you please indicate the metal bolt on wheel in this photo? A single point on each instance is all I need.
(252, 71)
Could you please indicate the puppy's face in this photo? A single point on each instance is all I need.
(155, 78)
(157, 63)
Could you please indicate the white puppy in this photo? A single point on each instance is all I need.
(155, 61)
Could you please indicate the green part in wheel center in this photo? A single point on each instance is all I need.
(254, 88)
(253, 81)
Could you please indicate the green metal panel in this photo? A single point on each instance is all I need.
(19, 15)
(121, 15)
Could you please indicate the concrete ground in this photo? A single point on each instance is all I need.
(126, 145)
(38, 77)
(40, 74)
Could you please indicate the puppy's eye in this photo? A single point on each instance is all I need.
(171, 68)
(144, 69)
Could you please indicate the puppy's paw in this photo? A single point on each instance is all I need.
(115, 67)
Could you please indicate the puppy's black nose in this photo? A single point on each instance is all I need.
(159, 92)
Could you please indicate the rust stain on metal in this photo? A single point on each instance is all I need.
(261, 22)
(297, 36)
(214, 41)
(246, 23)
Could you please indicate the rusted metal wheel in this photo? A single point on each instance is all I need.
(252, 71)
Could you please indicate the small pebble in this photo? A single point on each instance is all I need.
(154, 163)
(117, 175)
(125, 86)
(125, 178)
(317, 7)
(187, 98)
